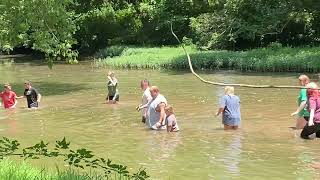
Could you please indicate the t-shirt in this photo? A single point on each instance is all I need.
(8, 99)
(231, 105)
(303, 97)
(153, 115)
(32, 97)
(145, 98)
(172, 121)
(112, 87)
(314, 103)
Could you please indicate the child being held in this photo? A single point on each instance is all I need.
(171, 121)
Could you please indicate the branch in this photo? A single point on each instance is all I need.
(224, 84)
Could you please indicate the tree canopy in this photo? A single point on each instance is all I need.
(61, 28)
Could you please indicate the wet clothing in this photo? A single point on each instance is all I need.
(153, 115)
(8, 99)
(113, 93)
(146, 97)
(231, 115)
(32, 97)
(172, 121)
(303, 97)
(313, 103)
(308, 130)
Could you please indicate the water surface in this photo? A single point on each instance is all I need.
(73, 107)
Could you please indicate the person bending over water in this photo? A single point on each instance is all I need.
(171, 121)
(230, 109)
(302, 111)
(113, 93)
(313, 125)
(146, 99)
(156, 114)
(8, 97)
(32, 95)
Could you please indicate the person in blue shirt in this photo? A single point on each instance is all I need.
(230, 109)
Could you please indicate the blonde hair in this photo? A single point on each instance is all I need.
(169, 109)
(110, 73)
(229, 90)
(6, 85)
(154, 89)
(304, 78)
(312, 85)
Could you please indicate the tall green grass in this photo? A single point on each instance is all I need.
(10, 170)
(271, 59)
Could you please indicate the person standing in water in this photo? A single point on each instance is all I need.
(302, 112)
(230, 109)
(113, 93)
(146, 99)
(171, 121)
(32, 95)
(8, 97)
(156, 114)
(313, 125)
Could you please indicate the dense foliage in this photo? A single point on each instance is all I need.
(61, 28)
(80, 158)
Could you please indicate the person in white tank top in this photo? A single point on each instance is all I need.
(146, 99)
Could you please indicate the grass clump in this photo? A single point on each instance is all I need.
(10, 170)
(270, 59)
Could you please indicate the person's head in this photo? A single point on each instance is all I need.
(7, 87)
(27, 84)
(144, 84)
(228, 90)
(111, 74)
(312, 90)
(154, 90)
(304, 79)
(169, 109)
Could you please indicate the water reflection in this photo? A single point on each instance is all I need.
(232, 156)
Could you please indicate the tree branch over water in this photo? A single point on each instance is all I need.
(225, 84)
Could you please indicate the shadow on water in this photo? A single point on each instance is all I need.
(51, 88)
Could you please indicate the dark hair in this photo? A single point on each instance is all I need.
(145, 81)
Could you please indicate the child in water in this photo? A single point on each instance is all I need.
(8, 97)
(113, 93)
(171, 121)
(230, 109)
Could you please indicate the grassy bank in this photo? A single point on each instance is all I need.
(10, 170)
(271, 59)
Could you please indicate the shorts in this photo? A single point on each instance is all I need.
(33, 105)
(231, 121)
(111, 97)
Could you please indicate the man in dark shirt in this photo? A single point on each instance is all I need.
(32, 95)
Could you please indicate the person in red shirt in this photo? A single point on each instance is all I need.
(8, 97)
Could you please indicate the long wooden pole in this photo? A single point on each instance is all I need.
(224, 84)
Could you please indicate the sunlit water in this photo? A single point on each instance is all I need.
(73, 107)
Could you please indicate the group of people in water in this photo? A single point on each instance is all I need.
(308, 111)
(157, 114)
(9, 97)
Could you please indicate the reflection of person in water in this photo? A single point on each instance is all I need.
(233, 155)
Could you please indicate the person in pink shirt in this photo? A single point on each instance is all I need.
(313, 125)
(8, 97)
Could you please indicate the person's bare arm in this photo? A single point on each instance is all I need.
(300, 108)
(310, 122)
(39, 97)
(162, 112)
(220, 110)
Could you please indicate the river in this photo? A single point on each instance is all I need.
(73, 106)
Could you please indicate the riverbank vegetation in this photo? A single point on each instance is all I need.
(79, 158)
(271, 59)
(63, 29)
